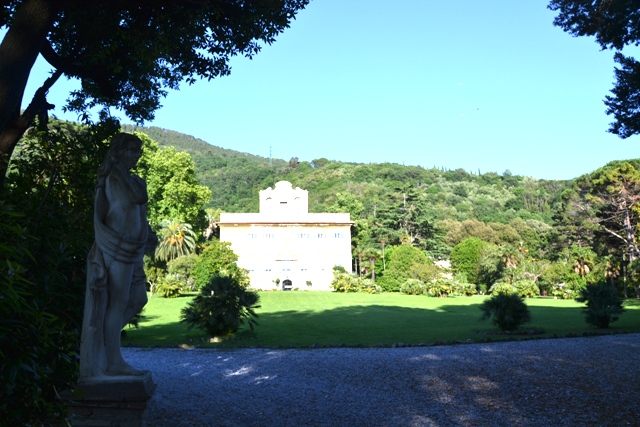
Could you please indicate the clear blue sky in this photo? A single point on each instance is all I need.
(489, 85)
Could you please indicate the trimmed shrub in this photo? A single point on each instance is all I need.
(183, 268)
(439, 288)
(527, 288)
(222, 307)
(413, 287)
(348, 282)
(507, 311)
(563, 290)
(344, 282)
(523, 288)
(169, 286)
(390, 281)
(460, 286)
(603, 305)
(368, 286)
(502, 288)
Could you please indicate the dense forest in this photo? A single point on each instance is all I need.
(235, 179)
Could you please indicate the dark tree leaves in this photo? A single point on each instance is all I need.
(625, 104)
(614, 24)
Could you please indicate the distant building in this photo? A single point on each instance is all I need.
(286, 242)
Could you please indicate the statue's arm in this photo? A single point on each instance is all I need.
(128, 186)
(152, 240)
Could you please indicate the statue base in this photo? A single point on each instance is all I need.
(118, 401)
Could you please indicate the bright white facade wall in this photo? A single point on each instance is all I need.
(284, 241)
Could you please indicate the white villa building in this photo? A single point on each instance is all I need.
(285, 246)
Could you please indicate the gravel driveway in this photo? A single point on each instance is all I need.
(593, 381)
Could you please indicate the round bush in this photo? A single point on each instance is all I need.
(527, 288)
(603, 305)
(507, 311)
(465, 258)
(217, 259)
(222, 307)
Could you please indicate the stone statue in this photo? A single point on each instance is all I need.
(116, 284)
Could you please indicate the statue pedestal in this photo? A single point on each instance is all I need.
(118, 401)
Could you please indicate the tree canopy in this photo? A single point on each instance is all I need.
(615, 25)
(174, 191)
(126, 53)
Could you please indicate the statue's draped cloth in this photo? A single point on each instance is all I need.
(118, 249)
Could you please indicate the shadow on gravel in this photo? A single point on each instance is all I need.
(543, 383)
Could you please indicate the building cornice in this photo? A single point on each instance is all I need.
(320, 219)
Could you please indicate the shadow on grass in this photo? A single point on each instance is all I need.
(379, 326)
(435, 386)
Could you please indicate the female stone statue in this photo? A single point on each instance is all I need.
(116, 288)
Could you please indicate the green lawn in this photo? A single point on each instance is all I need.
(306, 319)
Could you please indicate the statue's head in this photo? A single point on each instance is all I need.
(120, 151)
(120, 143)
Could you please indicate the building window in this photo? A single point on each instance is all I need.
(339, 235)
(253, 235)
(322, 235)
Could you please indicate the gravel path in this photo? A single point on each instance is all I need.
(592, 381)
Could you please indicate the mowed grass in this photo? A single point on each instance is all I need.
(328, 319)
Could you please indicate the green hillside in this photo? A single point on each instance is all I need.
(194, 146)
(235, 179)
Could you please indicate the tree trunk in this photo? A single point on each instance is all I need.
(18, 52)
(632, 247)
(624, 275)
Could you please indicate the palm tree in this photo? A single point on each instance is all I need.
(176, 239)
(372, 254)
(511, 258)
(583, 259)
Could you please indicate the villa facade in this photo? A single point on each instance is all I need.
(286, 246)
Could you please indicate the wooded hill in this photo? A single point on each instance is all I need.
(235, 179)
